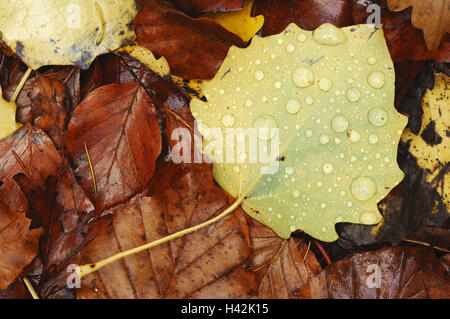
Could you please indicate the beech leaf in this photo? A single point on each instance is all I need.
(118, 126)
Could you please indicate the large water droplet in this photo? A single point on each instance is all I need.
(303, 77)
(339, 123)
(327, 168)
(325, 84)
(301, 37)
(376, 79)
(353, 95)
(228, 120)
(368, 218)
(328, 34)
(292, 106)
(259, 75)
(324, 139)
(290, 48)
(377, 116)
(372, 60)
(363, 188)
(265, 125)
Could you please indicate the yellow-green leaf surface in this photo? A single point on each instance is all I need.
(330, 93)
(65, 32)
(239, 22)
(146, 57)
(431, 147)
(7, 117)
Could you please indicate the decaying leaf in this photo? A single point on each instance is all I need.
(204, 264)
(404, 41)
(195, 7)
(329, 95)
(30, 151)
(67, 32)
(18, 244)
(307, 14)
(146, 57)
(240, 22)
(50, 107)
(431, 147)
(194, 48)
(117, 128)
(7, 117)
(389, 273)
(432, 16)
(280, 264)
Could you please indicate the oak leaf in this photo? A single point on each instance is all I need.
(432, 16)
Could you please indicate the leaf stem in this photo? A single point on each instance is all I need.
(30, 288)
(21, 84)
(84, 270)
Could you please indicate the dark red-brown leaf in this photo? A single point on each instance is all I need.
(29, 151)
(196, 7)
(194, 48)
(307, 14)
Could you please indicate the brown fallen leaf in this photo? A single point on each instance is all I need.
(50, 106)
(16, 290)
(68, 75)
(204, 264)
(280, 264)
(63, 210)
(18, 244)
(404, 272)
(117, 123)
(196, 7)
(307, 14)
(432, 16)
(404, 41)
(29, 151)
(194, 48)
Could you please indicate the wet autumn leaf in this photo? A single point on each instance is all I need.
(117, 124)
(280, 263)
(404, 41)
(307, 14)
(195, 7)
(334, 157)
(204, 264)
(29, 151)
(67, 32)
(432, 16)
(194, 48)
(18, 244)
(50, 106)
(404, 272)
(422, 197)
